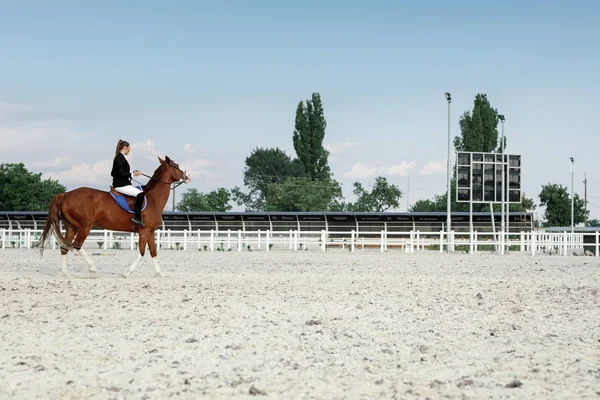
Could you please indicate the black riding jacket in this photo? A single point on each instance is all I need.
(120, 171)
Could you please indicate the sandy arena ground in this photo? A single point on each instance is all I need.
(306, 325)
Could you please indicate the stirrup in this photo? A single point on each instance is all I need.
(137, 221)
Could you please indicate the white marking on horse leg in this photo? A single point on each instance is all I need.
(63, 264)
(87, 258)
(133, 265)
(156, 267)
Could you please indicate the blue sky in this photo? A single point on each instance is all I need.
(207, 82)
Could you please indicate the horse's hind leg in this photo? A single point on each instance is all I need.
(71, 231)
(82, 234)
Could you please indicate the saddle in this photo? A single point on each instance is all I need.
(126, 202)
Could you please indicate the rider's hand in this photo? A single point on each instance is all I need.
(137, 173)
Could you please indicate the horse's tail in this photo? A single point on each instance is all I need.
(53, 225)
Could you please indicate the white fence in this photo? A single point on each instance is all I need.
(564, 243)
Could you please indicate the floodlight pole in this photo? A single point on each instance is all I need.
(501, 118)
(448, 191)
(572, 199)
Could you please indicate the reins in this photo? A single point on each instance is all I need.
(175, 184)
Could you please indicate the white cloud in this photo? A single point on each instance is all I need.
(57, 162)
(189, 148)
(433, 168)
(401, 169)
(7, 109)
(359, 171)
(85, 174)
(336, 148)
(24, 131)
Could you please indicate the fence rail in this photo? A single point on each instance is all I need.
(564, 243)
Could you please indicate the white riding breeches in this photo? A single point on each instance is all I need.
(129, 190)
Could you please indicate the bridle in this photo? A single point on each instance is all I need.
(175, 184)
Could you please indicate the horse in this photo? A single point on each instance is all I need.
(83, 208)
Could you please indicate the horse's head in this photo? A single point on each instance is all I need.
(175, 174)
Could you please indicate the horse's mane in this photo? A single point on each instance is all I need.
(155, 178)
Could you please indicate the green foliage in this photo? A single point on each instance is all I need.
(438, 204)
(276, 182)
(594, 223)
(381, 198)
(308, 138)
(303, 194)
(264, 167)
(479, 133)
(21, 190)
(215, 201)
(479, 128)
(557, 201)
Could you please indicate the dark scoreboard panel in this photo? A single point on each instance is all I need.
(479, 177)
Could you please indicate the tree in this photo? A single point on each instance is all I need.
(479, 128)
(21, 190)
(478, 133)
(308, 138)
(299, 194)
(382, 197)
(264, 167)
(557, 201)
(593, 223)
(215, 201)
(438, 204)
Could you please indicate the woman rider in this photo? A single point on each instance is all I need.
(122, 180)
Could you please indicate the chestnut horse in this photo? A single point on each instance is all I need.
(83, 208)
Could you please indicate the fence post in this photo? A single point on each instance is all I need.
(533, 244)
(212, 240)
(131, 241)
(471, 245)
(268, 248)
(228, 239)
(522, 235)
(382, 241)
(3, 237)
(258, 239)
(28, 236)
(352, 238)
(295, 240)
(476, 240)
(199, 237)
(441, 242)
(565, 238)
(239, 244)
(597, 242)
(411, 242)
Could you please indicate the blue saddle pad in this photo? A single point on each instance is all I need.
(122, 201)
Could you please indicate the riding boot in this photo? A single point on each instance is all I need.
(137, 209)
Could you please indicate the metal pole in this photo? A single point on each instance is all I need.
(448, 214)
(501, 117)
(572, 199)
(503, 188)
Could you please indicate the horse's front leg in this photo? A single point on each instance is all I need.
(142, 249)
(152, 248)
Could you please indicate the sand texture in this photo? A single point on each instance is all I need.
(305, 325)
